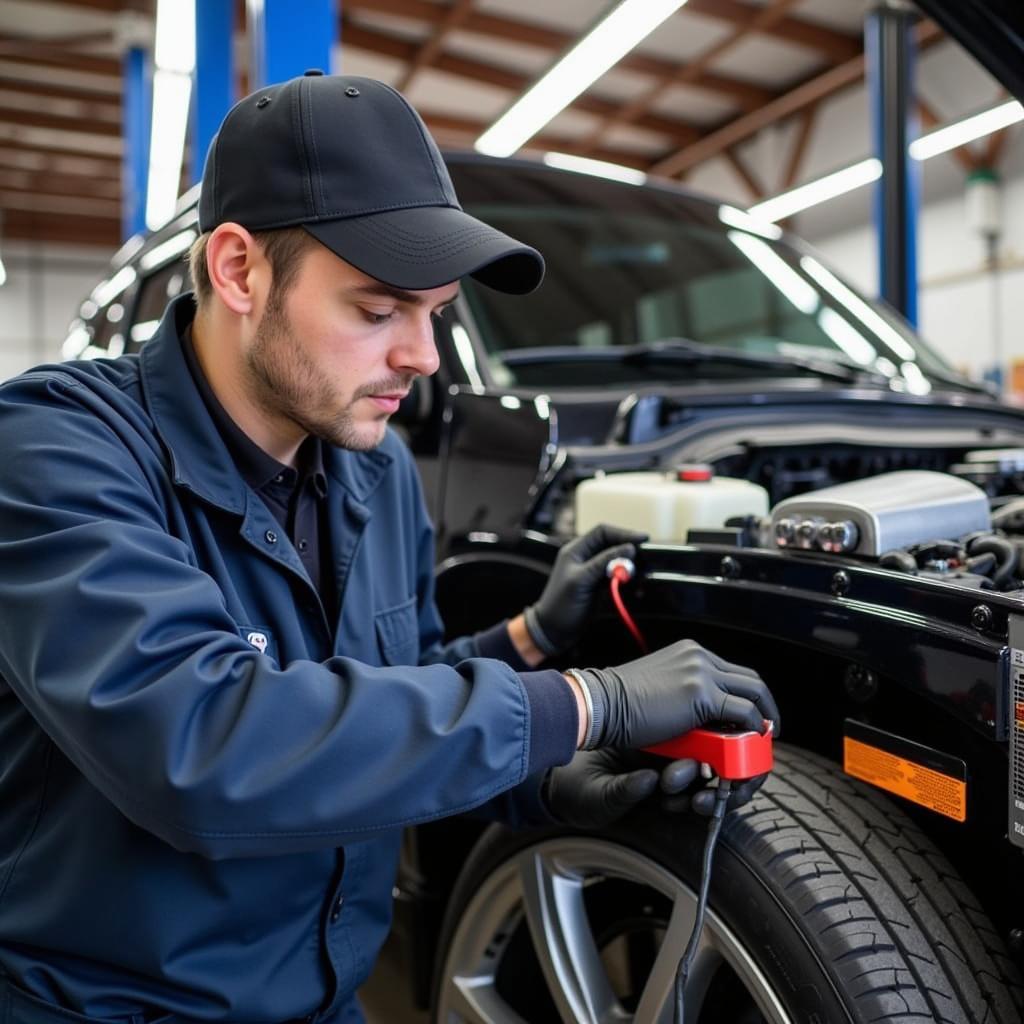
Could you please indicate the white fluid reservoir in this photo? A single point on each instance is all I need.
(664, 506)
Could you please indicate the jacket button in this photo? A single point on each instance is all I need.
(270, 537)
(336, 912)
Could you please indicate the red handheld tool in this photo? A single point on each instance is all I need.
(732, 755)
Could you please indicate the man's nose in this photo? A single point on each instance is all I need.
(417, 350)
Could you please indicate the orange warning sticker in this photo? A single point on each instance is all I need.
(925, 786)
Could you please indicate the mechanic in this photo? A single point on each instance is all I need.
(223, 688)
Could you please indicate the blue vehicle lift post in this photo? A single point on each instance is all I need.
(213, 84)
(286, 38)
(889, 48)
(137, 114)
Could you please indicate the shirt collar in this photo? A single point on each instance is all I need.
(258, 468)
(200, 459)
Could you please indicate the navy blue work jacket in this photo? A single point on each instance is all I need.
(203, 781)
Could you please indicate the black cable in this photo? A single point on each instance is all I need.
(714, 827)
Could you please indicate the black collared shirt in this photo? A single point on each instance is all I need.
(295, 497)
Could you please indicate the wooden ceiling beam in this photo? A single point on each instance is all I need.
(46, 90)
(691, 72)
(59, 184)
(963, 155)
(47, 46)
(755, 187)
(995, 146)
(745, 94)
(804, 131)
(77, 112)
(110, 6)
(32, 225)
(808, 93)
(837, 46)
(379, 42)
(28, 158)
(454, 16)
(48, 202)
(61, 122)
(53, 140)
(68, 62)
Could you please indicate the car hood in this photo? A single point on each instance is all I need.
(991, 30)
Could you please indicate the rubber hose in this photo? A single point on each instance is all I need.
(1004, 550)
(901, 561)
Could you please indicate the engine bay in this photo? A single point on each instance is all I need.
(902, 510)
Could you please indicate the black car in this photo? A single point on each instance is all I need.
(880, 598)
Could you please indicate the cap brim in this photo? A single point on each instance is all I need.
(430, 246)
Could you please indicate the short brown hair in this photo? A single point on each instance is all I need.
(283, 247)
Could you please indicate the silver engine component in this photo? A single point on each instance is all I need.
(870, 516)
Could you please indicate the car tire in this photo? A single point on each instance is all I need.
(827, 905)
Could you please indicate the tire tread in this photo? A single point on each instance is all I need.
(868, 884)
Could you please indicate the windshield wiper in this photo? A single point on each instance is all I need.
(682, 350)
(685, 350)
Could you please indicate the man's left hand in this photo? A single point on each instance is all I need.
(598, 787)
(556, 620)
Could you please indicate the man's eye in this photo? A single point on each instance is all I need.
(377, 318)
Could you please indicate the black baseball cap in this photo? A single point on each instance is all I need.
(349, 160)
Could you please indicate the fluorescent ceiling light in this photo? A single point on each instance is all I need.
(859, 308)
(144, 330)
(175, 47)
(924, 148)
(917, 382)
(848, 338)
(601, 168)
(613, 37)
(175, 60)
(171, 95)
(814, 192)
(75, 342)
(165, 251)
(737, 218)
(107, 291)
(464, 347)
(777, 270)
(970, 128)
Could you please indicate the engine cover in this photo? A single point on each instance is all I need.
(870, 516)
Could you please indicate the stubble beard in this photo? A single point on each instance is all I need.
(284, 381)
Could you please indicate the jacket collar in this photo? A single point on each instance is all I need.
(200, 460)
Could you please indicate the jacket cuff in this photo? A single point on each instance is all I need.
(531, 804)
(496, 643)
(554, 719)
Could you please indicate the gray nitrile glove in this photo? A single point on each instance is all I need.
(557, 618)
(600, 786)
(679, 775)
(668, 693)
(597, 787)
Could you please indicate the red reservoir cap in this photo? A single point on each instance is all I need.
(696, 472)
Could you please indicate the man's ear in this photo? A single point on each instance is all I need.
(239, 272)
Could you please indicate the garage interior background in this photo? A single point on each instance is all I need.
(749, 98)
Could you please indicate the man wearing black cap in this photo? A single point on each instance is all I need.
(223, 691)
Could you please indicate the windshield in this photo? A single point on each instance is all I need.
(629, 266)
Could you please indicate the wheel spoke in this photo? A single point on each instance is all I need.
(656, 1001)
(564, 942)
(475, 1001)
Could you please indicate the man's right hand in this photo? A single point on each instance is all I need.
(670, 692)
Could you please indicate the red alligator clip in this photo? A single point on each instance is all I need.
(732, 755)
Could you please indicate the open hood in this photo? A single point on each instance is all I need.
(991, 30)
